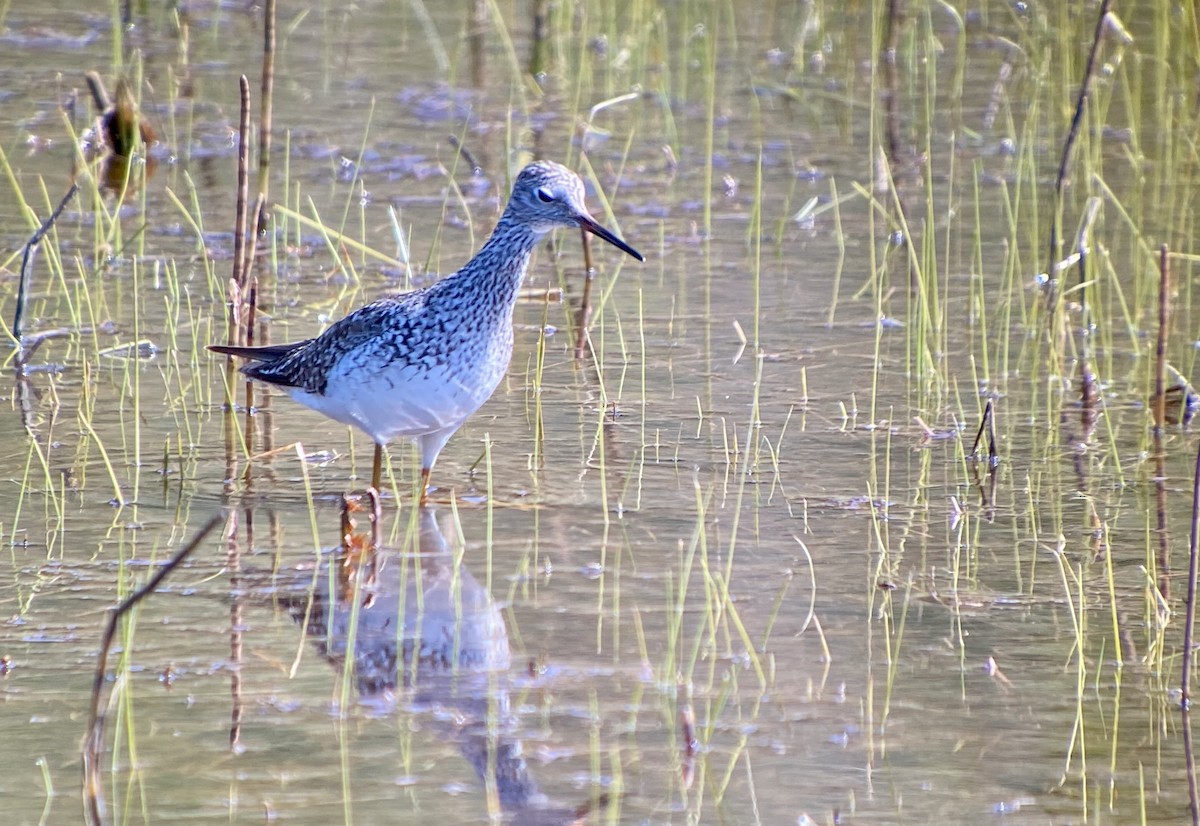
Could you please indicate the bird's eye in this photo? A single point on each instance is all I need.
(544, 195)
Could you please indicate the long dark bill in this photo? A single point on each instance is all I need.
(589, 223)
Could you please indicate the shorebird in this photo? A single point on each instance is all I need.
(419, 364)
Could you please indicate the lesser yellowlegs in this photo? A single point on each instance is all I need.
(419, 364)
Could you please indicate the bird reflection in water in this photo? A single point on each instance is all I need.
(450, 657)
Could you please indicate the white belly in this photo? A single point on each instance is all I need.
(404, 400)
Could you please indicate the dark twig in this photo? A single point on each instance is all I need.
(987, 425)
(993, 452)
(31, 342)
(476, 167)
(1073, 134)
(93, 743)
(895, 20)
(31, 247)
(1189, 627)
(987, 493)
(1160, 420)
(99, 92)
(1089, 384)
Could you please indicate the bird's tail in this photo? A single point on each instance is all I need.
(269, 352)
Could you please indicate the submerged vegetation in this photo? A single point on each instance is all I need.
(867, 498)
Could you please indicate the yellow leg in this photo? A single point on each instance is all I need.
(377, 473)
(424, 486)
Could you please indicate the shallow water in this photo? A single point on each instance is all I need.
(694, 497)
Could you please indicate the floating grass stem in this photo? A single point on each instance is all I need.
(333, 238)
(118, 497)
